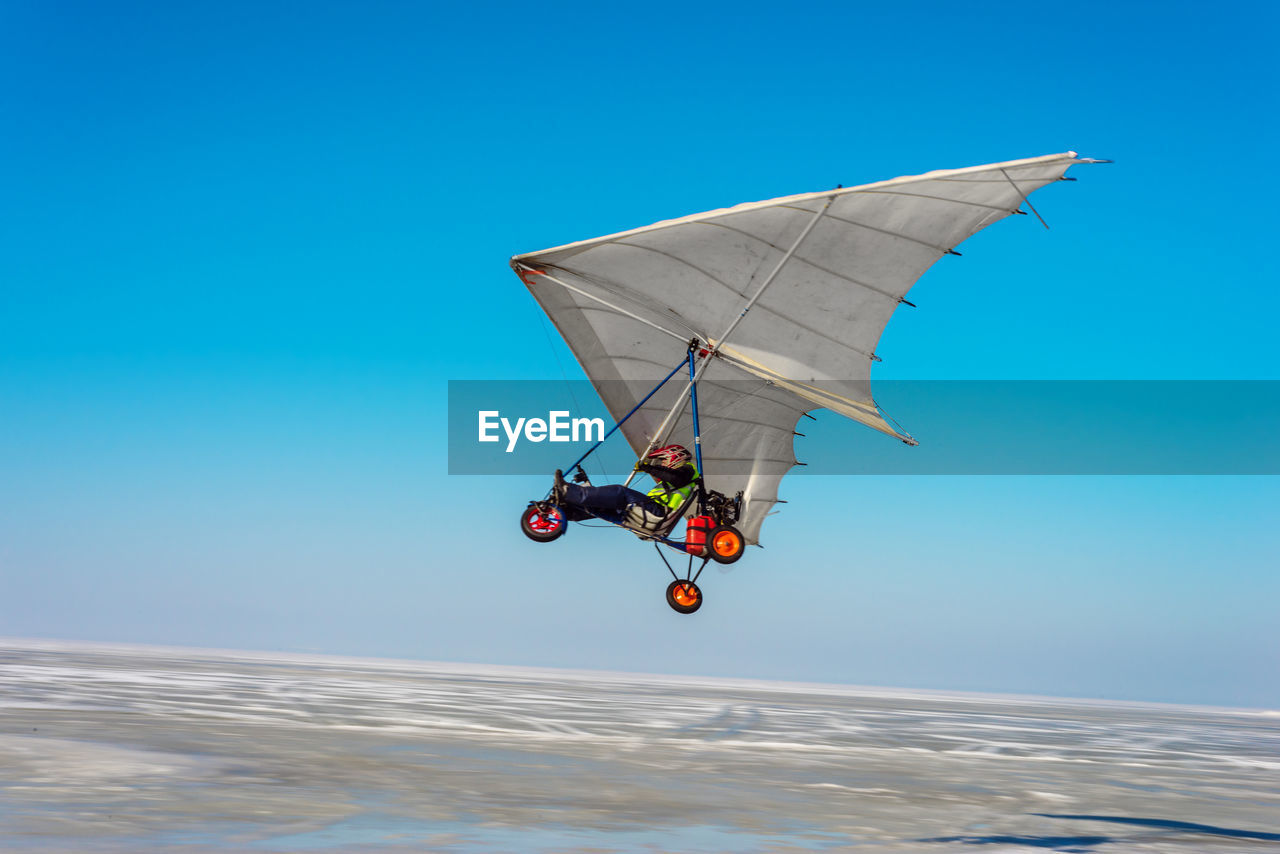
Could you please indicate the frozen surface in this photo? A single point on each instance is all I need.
(148, 749)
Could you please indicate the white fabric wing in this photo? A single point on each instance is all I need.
(833, 267)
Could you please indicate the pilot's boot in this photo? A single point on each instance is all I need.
(557, 491)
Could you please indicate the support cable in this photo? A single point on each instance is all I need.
(615, 427)
(1018, 190)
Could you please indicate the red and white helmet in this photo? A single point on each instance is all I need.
(670, 456)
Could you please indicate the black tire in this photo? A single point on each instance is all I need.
(542, 522)
(725, 544)
(684, 597)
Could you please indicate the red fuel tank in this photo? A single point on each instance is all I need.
(696, 530)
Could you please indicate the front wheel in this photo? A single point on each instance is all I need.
(543, 522)
(684, 596)
(726, 544)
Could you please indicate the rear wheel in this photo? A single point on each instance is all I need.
(726, 544)
(543, 522)
(684, 596)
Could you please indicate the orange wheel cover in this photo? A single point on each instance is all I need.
(685, 594)
(726, 543)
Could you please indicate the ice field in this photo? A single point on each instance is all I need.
(149, 749)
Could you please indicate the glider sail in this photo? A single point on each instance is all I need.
(787, 299)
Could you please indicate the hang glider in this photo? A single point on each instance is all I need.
(783, 301)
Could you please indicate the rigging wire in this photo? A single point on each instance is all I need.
(564, 375)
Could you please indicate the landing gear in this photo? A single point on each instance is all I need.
(543, 522)
(726, 544)
(684, 596)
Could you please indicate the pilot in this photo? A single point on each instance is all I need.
(671, 466)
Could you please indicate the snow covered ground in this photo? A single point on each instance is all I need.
(150, 749)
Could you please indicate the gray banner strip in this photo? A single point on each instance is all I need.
(964, 427)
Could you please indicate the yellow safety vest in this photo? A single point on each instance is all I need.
(670, 497)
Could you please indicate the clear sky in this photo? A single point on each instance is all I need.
(243, 247)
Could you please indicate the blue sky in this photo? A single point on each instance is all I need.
(244, 247)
